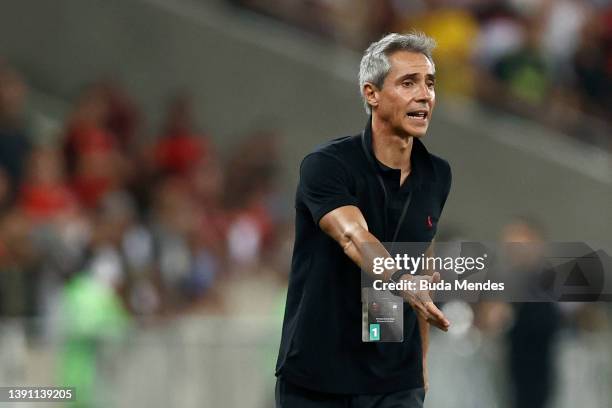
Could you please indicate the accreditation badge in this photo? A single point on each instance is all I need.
(382, 316)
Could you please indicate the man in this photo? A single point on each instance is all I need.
(354, 193)
(535, 325)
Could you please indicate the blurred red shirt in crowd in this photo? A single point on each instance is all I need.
(92, 152)
(44, 194)
(180, 148)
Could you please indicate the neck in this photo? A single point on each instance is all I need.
(390, 148)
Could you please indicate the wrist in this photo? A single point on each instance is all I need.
(396, 278)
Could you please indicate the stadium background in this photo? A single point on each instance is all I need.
(139, 263)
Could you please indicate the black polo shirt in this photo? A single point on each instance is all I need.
(321, 347)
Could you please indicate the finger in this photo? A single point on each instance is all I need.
(435, 278)
(433, 310)
(424, 314)
(422, 311)
(436, 323)
(437, 315)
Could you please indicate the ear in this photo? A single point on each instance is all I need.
(370, 93)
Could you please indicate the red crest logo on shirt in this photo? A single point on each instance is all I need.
(429, 222)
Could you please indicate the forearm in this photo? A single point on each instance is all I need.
(424, 332)
(347, 226)
(363, 247)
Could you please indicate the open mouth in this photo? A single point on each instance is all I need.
(420, 114)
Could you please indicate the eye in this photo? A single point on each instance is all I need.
(408, 83)
(431, 85)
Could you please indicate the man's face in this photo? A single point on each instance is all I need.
(407, 98)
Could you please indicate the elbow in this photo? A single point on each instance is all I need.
(350, 236)
(345, 225)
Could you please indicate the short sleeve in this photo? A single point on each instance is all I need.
(324, 185)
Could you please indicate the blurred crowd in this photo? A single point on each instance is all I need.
(549, 60)
(102, 223)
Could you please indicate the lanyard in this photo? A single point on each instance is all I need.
(385, 194)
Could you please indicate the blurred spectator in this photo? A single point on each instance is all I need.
(180, 147)
(18, 288)
(5, 191)
(593, 64)
(14, 139)
(532, 327)
(501, 33)
(356, 23)
(206, 183)
(175, 225)
(123, 116)
(258, 156)
(254, 197)
(562, 23)
(45, 195)
(524, 73)
(91, 313)
(93, 158)
(455, 30)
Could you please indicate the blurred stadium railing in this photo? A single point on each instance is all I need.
(214, 362)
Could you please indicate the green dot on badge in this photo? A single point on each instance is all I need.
(374, 332)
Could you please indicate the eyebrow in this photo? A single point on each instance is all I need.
(431, 77)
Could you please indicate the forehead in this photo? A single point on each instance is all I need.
(408, 62)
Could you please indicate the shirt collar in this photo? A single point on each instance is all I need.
(421, 161)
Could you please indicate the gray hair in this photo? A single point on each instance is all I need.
(375, 64)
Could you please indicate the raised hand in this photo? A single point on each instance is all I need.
(421, 302)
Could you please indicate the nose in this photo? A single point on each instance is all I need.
(424, 94)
